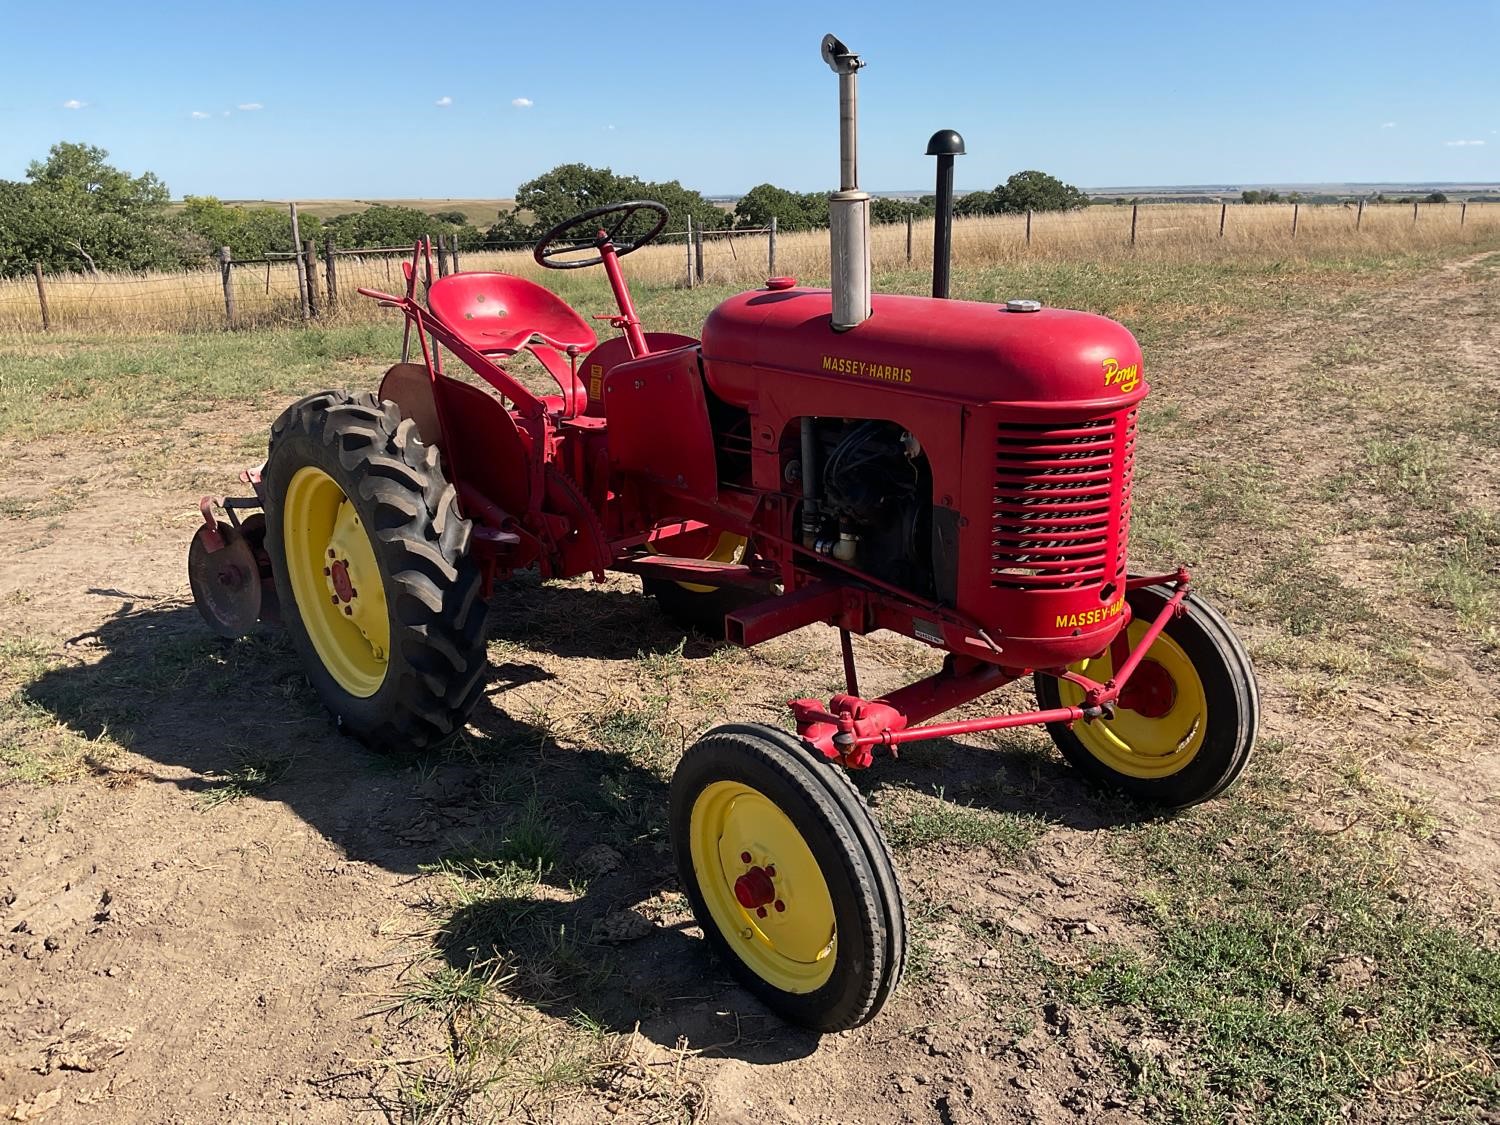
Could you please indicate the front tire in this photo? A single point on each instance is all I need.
(789, 876)
(370, 557)
(1185, 725)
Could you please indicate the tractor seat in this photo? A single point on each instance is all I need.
(499, 312)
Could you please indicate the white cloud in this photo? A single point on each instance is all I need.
(609, 128)
(444, 101)
(249, 106)
(199, 115)
(522, 103)
(1462, 144)
(1387, 124)
(74, 103)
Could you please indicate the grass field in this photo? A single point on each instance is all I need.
(1257, 238)
(292, 928)
(481, 212)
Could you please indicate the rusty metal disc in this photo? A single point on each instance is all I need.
(226, 583)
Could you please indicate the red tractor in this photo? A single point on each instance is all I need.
(953, 471)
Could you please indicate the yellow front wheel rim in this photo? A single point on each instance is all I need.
(336, 582)
(763, 887)
(1145, 746)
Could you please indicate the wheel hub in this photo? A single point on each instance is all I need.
(756, 889)
(338, 575)
(1151, 691)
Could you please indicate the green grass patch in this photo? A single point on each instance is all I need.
(916, 820)
(1292, 982)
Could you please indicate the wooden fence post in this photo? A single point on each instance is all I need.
(1028, 226)
(690, 251)
(1295, 206)
(1359, 214)
(226, 272)
(1223, 213)
(301, 268)
(41, 296)
(908, 238)
(1134, 210)
(310, 267)
(442, 249)
(771, 248)
(454, 252)
(698, 257)
(331, 274)
(1413, 210)
(1463, 209)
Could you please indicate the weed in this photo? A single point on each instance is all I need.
(249, 778)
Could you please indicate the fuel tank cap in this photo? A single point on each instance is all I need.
(776, 284)
(1023, 305)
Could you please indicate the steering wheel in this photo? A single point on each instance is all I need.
(550, 256)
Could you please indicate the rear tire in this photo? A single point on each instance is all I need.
(1194, 737)
(400, 665)
(824, 943)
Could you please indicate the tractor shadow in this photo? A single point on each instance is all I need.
(506, 825)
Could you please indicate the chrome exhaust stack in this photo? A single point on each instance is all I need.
(848, 208)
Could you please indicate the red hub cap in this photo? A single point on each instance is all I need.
(1150, 692)
(339, 572)
(754, 889)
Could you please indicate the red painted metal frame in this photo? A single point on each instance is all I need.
(849, 728)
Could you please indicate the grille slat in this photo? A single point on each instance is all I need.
(1053, 523)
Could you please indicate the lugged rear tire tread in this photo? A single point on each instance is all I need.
(437, 652)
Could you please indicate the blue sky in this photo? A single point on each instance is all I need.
(379, 100)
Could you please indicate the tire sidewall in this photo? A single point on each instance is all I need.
(1229, 693)
(841, 1001)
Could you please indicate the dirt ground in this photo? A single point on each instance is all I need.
(229, 912)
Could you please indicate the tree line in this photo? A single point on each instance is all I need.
(74, 211)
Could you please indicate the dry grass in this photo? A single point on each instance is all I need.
(1165, 233)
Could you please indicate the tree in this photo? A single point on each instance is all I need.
(896, 210)
(1436, 197)
(1037, 191)
(792, 210)
(79, 212)
(568, 189)
(976, 203)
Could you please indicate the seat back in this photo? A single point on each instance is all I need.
(499, 312)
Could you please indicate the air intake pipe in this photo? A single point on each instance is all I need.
(848, 208)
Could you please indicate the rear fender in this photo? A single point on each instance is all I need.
(482, 447)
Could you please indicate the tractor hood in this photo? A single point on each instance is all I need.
(958, 351)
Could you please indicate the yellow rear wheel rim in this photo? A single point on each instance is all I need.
(727, 548)
(789, 940)
(336, 582)
(1131, 743)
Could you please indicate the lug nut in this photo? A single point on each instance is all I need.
(744, 857)
(780, 906)
(348, 611)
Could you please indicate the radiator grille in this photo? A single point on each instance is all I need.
(1055, 522)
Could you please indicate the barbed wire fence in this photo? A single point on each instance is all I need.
(319, 283)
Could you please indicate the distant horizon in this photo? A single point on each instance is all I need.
(1327, 187)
